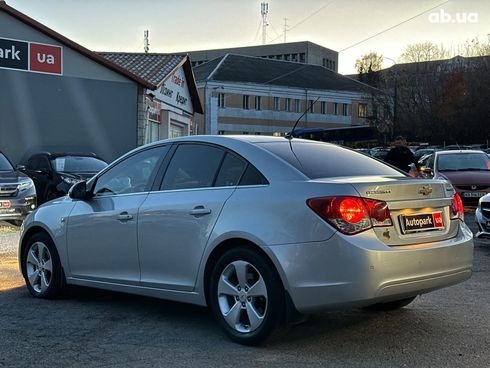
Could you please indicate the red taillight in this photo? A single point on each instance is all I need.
(351, 215)
(457, 208)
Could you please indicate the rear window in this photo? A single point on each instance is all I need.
(322, 160)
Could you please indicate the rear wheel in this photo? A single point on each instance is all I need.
(246, 296)
(389, 306)
(41, 267)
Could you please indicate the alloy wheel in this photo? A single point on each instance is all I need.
(39, 267)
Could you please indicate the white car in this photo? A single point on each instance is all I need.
(483, 217)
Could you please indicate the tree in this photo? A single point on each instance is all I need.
(367, 66)
(370, 62)
(426, 51)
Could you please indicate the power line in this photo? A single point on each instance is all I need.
(392, 27)
(305, 19)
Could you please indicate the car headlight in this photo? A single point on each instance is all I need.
(25, 184)
(70, 180)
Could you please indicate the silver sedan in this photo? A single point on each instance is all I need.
(261, 229)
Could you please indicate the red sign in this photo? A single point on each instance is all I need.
(438, 222)
(45, 58)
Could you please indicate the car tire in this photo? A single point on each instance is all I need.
(390, 306)
(41, 267)
(246, 296)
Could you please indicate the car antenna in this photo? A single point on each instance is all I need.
(289, 135)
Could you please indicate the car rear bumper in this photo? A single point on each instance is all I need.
(19, 208)
(360, 270)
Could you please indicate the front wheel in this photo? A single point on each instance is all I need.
(41, 267)
(246, 296)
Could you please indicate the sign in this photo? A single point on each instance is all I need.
(31, 56)
(174, 92)
(153, 110)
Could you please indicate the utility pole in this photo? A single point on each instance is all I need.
(285, 28)
(264, 11)
(147, 41)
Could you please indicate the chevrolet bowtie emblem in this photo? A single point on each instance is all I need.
(425, 190)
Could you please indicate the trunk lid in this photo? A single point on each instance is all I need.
(419, 208)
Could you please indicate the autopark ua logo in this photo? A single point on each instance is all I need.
(444, 17)
(31, 56)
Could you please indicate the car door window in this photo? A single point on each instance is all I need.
(252, 176)
(231, 171)
(132, 175)
(430, 162)
(192, 166)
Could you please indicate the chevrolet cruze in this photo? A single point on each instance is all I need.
(260, 229)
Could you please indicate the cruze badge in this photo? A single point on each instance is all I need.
(425, 190)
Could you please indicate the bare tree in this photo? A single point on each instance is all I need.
(370, 62)
(426, 51)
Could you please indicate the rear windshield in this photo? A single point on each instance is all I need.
(463, 162)
(5, 164)
(78, 164)
(321, 160)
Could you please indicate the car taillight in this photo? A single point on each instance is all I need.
(457, 208)
(351, 215)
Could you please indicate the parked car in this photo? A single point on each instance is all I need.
(467, 170)
(381, 153)
(422, 152)
(482, 216)
(54, 173)
(258, 228)
(17, 193)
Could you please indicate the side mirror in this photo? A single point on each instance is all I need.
(79, 191)
(20, 168)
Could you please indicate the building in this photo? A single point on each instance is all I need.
(56, 95)
(252, 95)
(171, 106)
(301, 52)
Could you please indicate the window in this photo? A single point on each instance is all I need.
(287, 104)
(246, 102)
(345, 109)
(257, 102)
(321, 160)
(221, 132)
(192, 166)
(296, 106)
(221, 100)
(362, 110)
(323, 106)
(252, 176)
(78, 164)
(302, 57)
(132, 175)
(5, 164)
(335, 108)
(231, 171)
(277, 105)
(311, 105)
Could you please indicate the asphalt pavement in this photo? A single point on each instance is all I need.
(93, 328)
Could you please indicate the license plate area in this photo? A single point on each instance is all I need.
(421, 222)
(473, 194)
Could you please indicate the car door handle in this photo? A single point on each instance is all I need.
(199, 211)
(124, 216)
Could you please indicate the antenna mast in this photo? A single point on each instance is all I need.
(147, 41)
(264, 10)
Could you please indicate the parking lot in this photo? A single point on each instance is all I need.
(447, 328)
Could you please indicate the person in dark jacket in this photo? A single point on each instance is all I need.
(401, 156)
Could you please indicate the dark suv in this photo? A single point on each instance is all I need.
(55, 173)
(17, 193)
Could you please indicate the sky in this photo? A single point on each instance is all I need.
(185, 25)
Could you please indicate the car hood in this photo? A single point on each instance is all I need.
(9, 177)
(467, 177)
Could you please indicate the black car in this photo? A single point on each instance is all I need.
(55, 173)
(17, 193)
